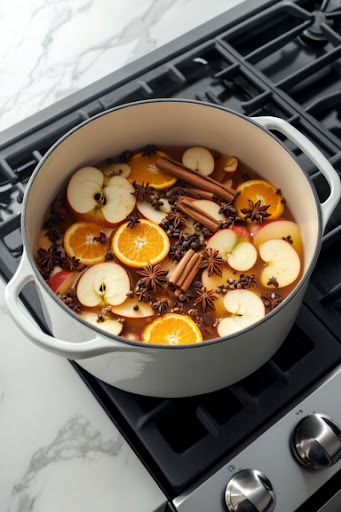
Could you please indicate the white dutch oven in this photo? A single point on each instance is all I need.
(154, 369)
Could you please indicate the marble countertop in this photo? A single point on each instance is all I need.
(52, 48)
(58, 449)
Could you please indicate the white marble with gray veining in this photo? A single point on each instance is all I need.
(59, 452)
(51, 48)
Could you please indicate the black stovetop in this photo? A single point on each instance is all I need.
(263, 58)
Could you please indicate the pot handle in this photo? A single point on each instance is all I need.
(314, 154)
(71, 350)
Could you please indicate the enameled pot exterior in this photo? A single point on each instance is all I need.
(159, 370)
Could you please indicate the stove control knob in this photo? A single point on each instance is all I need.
(250, 490)
(316, 442)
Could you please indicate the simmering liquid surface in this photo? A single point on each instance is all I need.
(237, 267)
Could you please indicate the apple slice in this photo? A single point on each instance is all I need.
(94, 198)
(169, 265)
(282, 263)
(242, 232)
(245, 308)
(61, 281)
(279, 229)
(110, 325)
(150, 213)
(132, 308)
(199, 159)
(210, 207)
(104, 283)
(213, 281)
(44, 242)
(243, 256)
(132, 336)
(230, 163)
(239, 254)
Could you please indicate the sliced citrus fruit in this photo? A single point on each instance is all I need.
(80, 242)
(144, 170)
(145, 243)
(172, 329)
(263, 191)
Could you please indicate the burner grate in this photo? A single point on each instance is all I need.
(259, 64)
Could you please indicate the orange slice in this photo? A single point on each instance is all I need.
(172, 329)
(79, 242)
(263, 191)
(142, 244)
(144, 170)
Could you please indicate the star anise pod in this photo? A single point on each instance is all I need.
(256, 212)
(273, 282)
(205, 298)
(143, 192)
(132, 222)
(153, 277)
(71, 301)
(227, 209)
(272, 300)
(101, 238)
(55, 233)
(71, 263)
(160, 305)
(149, 150)
(142, 293)
(177, 219)
(125, 156)
(47, 259)
(288, 239)
(212, 261)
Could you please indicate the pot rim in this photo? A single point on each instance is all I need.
(204, 343)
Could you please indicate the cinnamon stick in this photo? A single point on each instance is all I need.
(188, 208)
(195, 179)
(201, 194)
(179, 270)
(190, 278)
(186, 271)
(190, 264)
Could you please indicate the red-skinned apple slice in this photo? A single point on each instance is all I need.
(132, 336)
(199, 159)
(209, 207)
(61, 281)
(245, 308)
(239, 254)
(282, 263)
(104, 283)
(132, 308)
(110, 325)
(279, 229)
(242, 232)
(150, 213)
(169, 265)
(95, 198)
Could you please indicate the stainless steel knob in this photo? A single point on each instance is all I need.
(250, 490)
(316, 442)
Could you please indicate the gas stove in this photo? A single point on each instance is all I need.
(269, 442)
